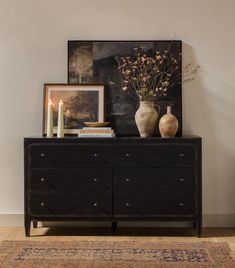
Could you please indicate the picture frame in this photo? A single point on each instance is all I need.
(94, 61)
(82, 103)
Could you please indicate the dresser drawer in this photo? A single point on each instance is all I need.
(80, 205)
(69, 155)
(77, 180)
(148, 205)
(142, 180)
(155, 155)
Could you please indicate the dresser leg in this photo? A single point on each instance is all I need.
(27, 225)
(194, 225)
(199, 228)
(114, 226)
(35, 224)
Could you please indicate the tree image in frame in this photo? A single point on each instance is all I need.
(80, 63)
(83, 107)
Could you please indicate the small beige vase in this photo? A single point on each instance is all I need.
(146, 118)
(168, 124)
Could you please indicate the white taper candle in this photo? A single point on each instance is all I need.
(50, 119)
(60, 128)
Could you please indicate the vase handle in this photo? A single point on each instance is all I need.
(158, 108)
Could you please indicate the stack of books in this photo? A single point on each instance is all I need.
(96, 132)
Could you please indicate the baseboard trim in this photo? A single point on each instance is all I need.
(209, 220)
(11, 220)
(219, 220)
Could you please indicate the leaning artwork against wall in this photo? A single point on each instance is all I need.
(97, 62)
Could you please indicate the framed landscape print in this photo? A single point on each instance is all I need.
(82, 103)
(96, 62)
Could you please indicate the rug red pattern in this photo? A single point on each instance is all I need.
(114, 254)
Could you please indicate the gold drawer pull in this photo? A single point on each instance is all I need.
(128, 204)
(127, 180)
(181, 154)
(42, 179)
(95, 155)
(95, 179)
(95, 204)
(42, 154)
(128, 154)
(181, 180)
(42, 204)
(181, 204)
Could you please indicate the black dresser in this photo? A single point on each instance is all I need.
(113, 179)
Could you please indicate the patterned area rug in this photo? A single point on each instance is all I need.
(84, 254)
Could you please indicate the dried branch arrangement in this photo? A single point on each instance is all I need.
(188, 72)
(151, 76)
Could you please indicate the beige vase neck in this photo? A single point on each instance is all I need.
(147, 103)
(168, 109)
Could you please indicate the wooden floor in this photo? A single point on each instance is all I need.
(122, 234)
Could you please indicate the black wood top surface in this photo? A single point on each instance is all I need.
(124, 139)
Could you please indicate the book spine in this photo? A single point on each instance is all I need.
(97, 135)
(97, 128)
(91, 131)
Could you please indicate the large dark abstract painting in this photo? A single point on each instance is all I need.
(96, 62)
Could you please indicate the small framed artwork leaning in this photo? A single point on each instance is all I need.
(81, 103)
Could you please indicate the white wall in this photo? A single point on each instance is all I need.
(33, 50)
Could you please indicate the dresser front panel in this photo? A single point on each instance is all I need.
(95, 180)
(147, 180)
(70, 155)
(115, 179)
(82, 205)
(155, 155)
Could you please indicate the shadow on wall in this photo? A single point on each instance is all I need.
(208, 111)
